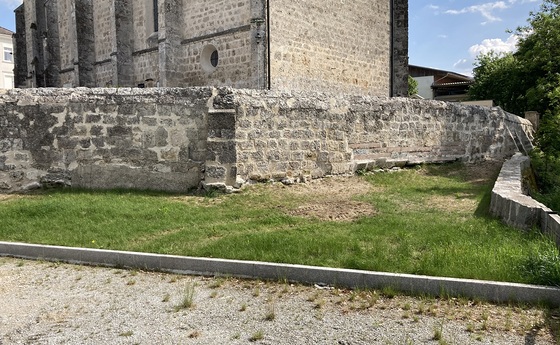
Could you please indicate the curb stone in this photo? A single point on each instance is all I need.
(414, 284)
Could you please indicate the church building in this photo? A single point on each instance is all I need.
(342, 46)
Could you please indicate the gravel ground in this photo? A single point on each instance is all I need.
(48, 303)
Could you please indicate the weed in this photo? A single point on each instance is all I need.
(126, 334)
(165, 298)
(256, 292)
(216, 283)
(389, 292)
(195, 334)
(407, 306)
(438, 332)
(270, 312)
(470, 328)
(213, 294)
(320, 303)
(188, 298)
(313, 297)
(131, 282)
(243, 307)
(236, 335)
(258, 335)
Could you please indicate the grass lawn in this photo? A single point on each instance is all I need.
(430, 220)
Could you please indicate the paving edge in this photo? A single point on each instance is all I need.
(407, 283)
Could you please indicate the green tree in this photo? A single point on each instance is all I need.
(412, 86)
(529, 79)
(498, 77)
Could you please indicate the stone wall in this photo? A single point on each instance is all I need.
(355, 47)
(175, 139)
(512, 204)
(289, 135)
(103, 138)
(331, 46)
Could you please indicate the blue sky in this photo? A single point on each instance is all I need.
(449, 34)
(444, 34)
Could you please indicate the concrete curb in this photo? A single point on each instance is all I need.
(484, 290)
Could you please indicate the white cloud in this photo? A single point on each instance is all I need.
(486, 10)
(11, 3)
(464, 66)
(433, 7)
(442, 36)
(495, 44)
(521, 1)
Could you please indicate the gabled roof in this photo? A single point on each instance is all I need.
(420, 70)
(4, 31)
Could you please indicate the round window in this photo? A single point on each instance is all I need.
(209, 58)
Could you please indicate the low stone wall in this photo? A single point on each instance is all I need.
(513, 206)
(177, 139)
(282, 135)
(103, 138)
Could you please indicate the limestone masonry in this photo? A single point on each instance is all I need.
(357, 47)
(177, 139)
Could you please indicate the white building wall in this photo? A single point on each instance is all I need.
(425, 86)
(6, 62)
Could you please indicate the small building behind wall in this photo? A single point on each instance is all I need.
(441, 85)
(7, 59)
(358, 47)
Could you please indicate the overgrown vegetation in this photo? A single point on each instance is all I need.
(529, 79)
(412, 86)
(429, 221)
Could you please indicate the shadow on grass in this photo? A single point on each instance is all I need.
(123, 191)
(483, 208)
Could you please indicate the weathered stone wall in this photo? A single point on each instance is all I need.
(20, 49)
(174, 139)
(226, 26)
(331, 46)
(355, 47)
(290, 135)
(103, 138)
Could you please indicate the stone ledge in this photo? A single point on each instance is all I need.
(414, 284)
(514, 207)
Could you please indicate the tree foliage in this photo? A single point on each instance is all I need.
(412, 86)
(529, 79)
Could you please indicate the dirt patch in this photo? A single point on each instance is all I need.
(483, 171)
(332, 199)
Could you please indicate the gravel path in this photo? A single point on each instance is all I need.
(47, 303)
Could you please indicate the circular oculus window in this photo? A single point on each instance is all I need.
(209, 58)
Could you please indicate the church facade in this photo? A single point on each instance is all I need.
(355, 47)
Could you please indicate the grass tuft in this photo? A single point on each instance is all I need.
(188, 298)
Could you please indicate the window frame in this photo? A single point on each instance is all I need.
(8, 51)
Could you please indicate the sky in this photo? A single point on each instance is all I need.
(449, 34)
(443, 34)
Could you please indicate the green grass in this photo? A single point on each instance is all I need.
(428, 221)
